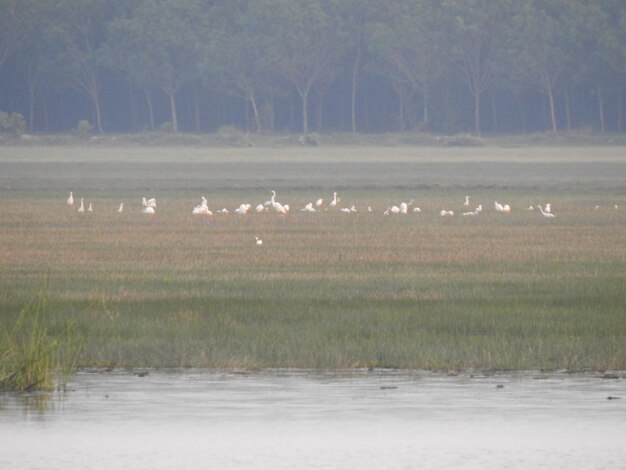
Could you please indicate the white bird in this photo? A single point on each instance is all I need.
(479, 208)
(394, 209)
(277, 206)
(544, 213)
(369, 208)
(260, 208)
(90, 208)
(81, 208)
(548, 208)
(530, 208)
(352, 209)
(259, 242)
(404, 207)
(149, 203)
(345, 210)
(615, 207)
(202, 209)
(148, 210)
(335, 200)
(466, 203)
(222, 211)
(243, 209)
(309, 208)
(121, 208)
(319, 203)
(470, 213)
(502, 208)
(70, 199)
(445, 213)
(416, 210)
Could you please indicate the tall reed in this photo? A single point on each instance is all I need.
(31, 358)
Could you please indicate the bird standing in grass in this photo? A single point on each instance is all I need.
(81, 208)
(70, 199)
(544, 213)
(149, 203)
(259, 242)
(121, 208)
(277, 206)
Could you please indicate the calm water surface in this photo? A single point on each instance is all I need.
(294, 420)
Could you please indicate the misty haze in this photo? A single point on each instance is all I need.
(312, 234)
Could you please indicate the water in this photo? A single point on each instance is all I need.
(295, 420)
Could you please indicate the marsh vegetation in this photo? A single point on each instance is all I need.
(325, 290)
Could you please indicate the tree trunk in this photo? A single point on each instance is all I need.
(148, 95)
(255, 112)
(355, 71)
(320, 110)
(620, 109)
(31, 109)
(425, 106)
(305, 112)
(494, 112)
(96, 102)
(477, 112)
(196, 111)
(401, 109)
(601, 107)
(520, 106)
(552, 110)
(568, 111)
(133, 108)
(172, 96)
(46, 116)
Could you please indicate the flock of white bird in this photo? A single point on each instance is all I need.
(149, 206)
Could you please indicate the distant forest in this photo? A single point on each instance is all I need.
(302, 66)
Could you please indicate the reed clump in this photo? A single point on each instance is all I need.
(32, 359)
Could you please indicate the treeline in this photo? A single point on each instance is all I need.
(497, 66)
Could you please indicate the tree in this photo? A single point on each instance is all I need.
(79, 26)
(612, 37)
(159, 46)
(356, 17)
(301, 40)
(234, 58)
(413, 46)
(15, 21)
(545, 48)
(477, 33)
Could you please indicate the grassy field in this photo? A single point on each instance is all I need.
(325, 290)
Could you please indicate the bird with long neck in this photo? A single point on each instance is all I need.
(277, 206)
(544, 213)
(335, 200)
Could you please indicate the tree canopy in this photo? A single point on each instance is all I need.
(275, 65)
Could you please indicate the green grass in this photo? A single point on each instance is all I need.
(325, 290)
(33, 359)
